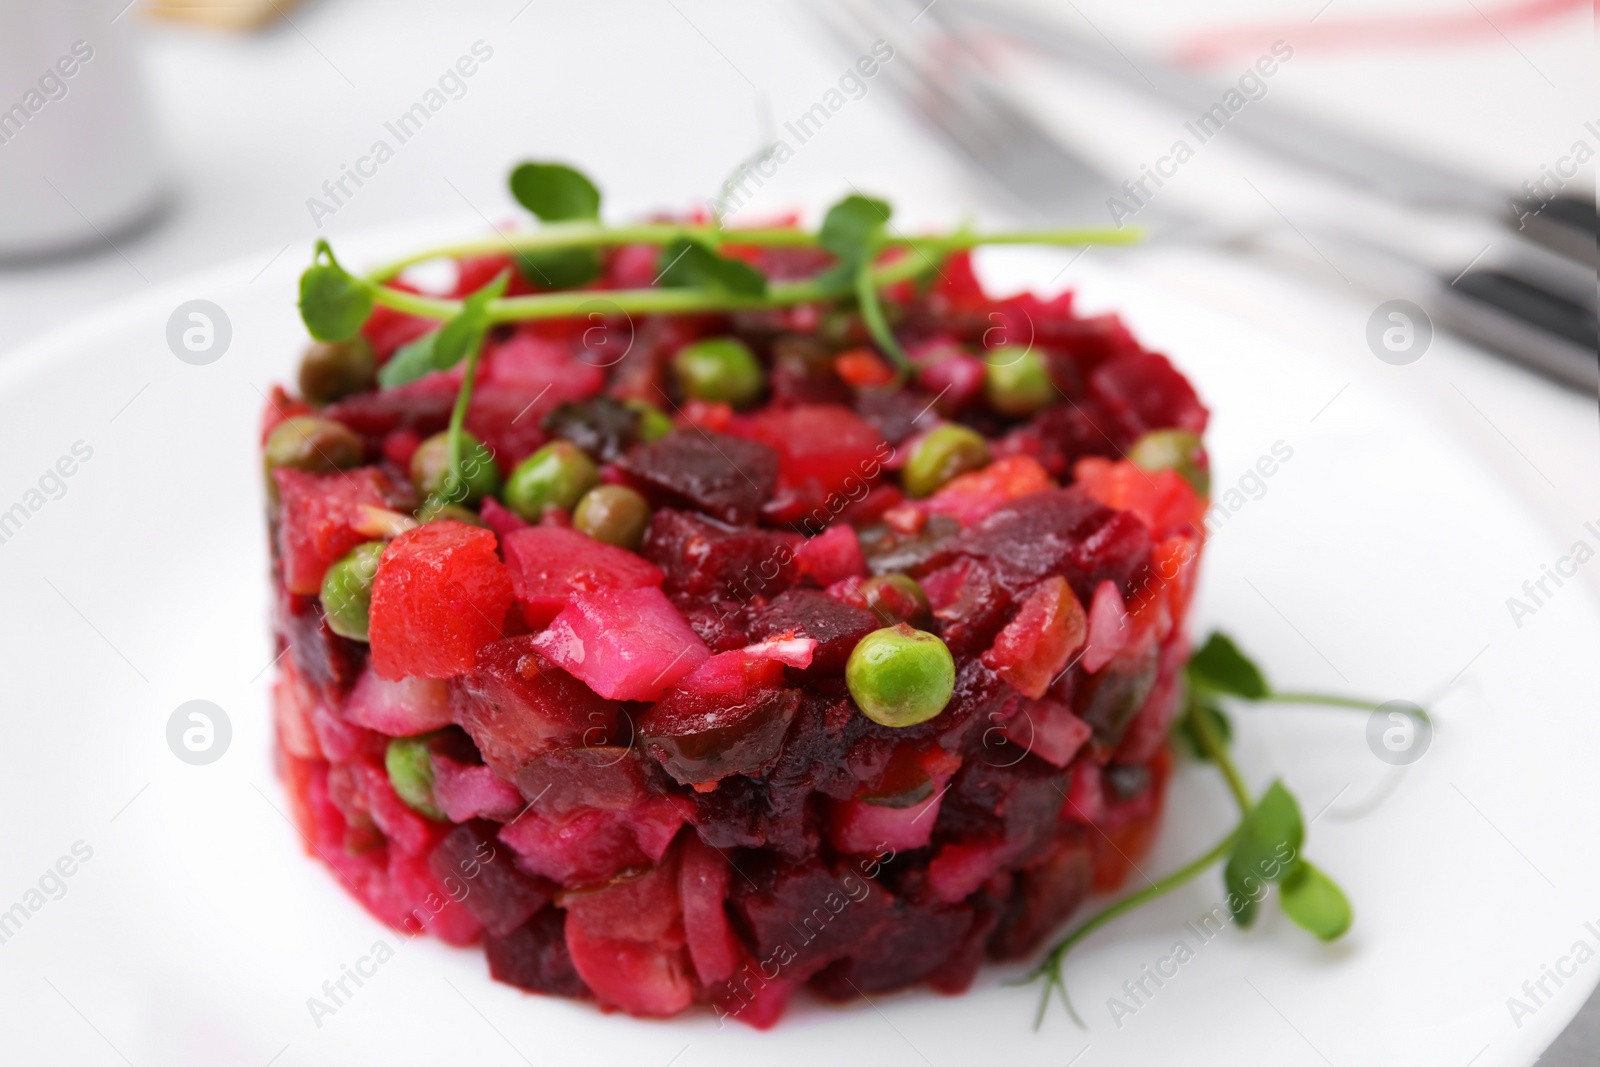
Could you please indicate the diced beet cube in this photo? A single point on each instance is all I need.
(703, 878)
(607, 777)
(317, 519)
(593, 845)
(519, 706)
(399, 708)
(728, 478)
(478, 871)
(836, 627)
(422, 406)
(831, 556)
(955, 378)
(428, 905)
(706, 559)
(898, 950)
(895, 415)
(821, 448)
(644, 907)
(639, 977)
(891, 551)
(1107, 629)
(534, 957)
(472, 791)
(291, 715)
(340, 740)
(506, 420)
(1058, 531)
(549, 563)
(329, 663)
(1085, 801)
(982, 601)
(440, 595)
(626, 644)
(976, 494)
(1034, 647)
(1049, 730)
(1164, 499)
(406, 830)
(752, 999)
(502, 520)
(959, 868)
(532, 362)
(900, 811)
(703, 738)
(1042, 899)
(601, 427)
(1017, 799)
(388, 329)
(1143, 392)
(808, 914)
(746, 812)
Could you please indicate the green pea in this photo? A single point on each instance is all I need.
(718, 368)
(900, 676)
(312, 443)
(895, 598)
(331, 370)
(410, 767)
(430, 472)
(614, 514)
(1018, 384)
(1177, 450)
(941, 455)
(654, 424)
(347, 590)
(555, 476)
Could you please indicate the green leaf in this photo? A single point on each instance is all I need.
(850, 229)
(1244, 893)
(332, 303)
(690, 264)
(560, 268)
(445, 347)
(1315, 902)
(555, 192)
(1215, 717)
(1221, 667)
(410, 362)
(1270, 837)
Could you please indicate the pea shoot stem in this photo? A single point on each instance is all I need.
(1329, 700)
(872, 315)
(1050, 967)
(562, 235)
(571, 303)
(1218, 753)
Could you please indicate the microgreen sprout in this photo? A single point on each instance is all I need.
(1263, 848)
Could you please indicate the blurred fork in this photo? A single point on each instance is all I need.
(941, 81)
(1533, 319)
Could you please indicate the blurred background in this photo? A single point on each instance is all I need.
(1316, 167)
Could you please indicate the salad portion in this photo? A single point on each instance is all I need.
(689, 615)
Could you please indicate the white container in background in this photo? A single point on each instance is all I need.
(79, 158)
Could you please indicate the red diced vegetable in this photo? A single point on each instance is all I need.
(626, 644)
(441, 594)
(549, 564)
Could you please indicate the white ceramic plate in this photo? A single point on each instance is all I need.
(1374, 560)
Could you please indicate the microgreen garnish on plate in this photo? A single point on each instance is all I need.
(1264, 848)
(696, 273)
